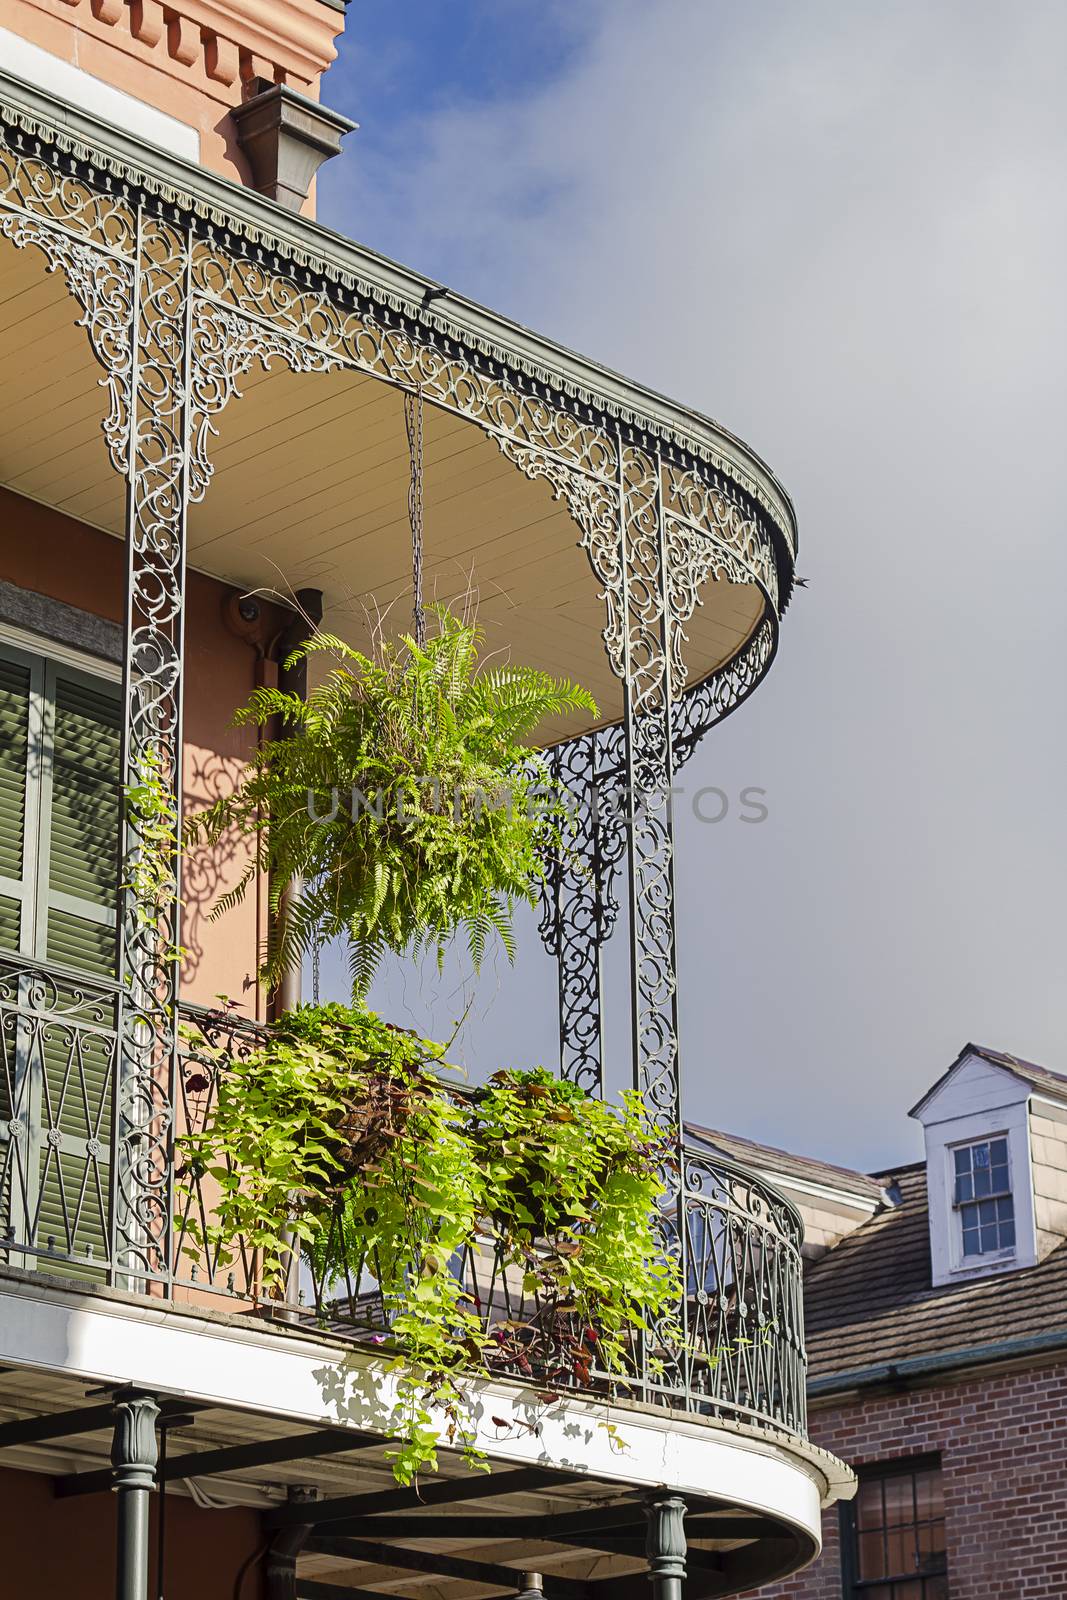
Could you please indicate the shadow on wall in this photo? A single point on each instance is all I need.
(208, 872)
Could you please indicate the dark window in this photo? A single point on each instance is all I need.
(983, 1197)
(893, 1534)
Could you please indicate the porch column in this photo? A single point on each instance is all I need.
(159, 397)
(649, 640)
(665, 1545)
(133, 1460)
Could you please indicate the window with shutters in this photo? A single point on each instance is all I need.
(893, 1533)
(60, 729)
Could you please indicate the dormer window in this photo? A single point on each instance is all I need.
(996, 1165)
(983, 1198)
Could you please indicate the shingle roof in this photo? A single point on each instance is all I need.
(1054, 1083)
(766, 1158)
(869, 1301)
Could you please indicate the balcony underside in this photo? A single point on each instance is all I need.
(310, 488)
(571, 1477)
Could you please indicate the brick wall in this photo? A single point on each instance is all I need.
(1003, 1446)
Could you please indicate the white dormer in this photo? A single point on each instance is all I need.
(996, 1165)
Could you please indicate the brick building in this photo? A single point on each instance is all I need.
(937, 1337)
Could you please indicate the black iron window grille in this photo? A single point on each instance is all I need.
(893, 1533)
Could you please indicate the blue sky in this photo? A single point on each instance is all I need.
(841, 230)
(402, 68)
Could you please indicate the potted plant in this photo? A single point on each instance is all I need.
(340, 1132)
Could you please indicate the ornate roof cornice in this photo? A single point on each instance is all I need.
(245, 222)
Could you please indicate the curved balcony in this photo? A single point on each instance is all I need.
(240, 397)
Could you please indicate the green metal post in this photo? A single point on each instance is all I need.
(133, 1463)
(665, 1544)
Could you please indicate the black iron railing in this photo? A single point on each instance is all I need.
(87, 1189)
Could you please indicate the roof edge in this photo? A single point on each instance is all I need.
(863, 1186)
(1004, 1061)
(944, 1361)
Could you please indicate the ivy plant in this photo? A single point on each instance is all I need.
(342, 1133)
(403, 795)
(152, 865)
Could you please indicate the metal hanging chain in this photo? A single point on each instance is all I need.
(413, 425)
(316, 952)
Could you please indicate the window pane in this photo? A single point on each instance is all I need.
(971, 1244)
(989, 1238)
(982, 1183)
(900, 1551)
(899, 1501)
(869, 1504)
(998, 1152)
(963, 1161)
(987, 1212)
(930, 1538)
(907, 1553)
(929, 1500)
(964, 1189)
(872, 1556)
(1007, 1235)
(1006, 1209)
(979, 1156)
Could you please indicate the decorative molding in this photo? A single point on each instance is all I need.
(134, 1447)
(56, 621)
(294, 38)
(223, 348)
(103, 286)
(665, 1545)
(311, 257)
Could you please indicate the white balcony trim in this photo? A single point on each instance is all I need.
(302, 1378)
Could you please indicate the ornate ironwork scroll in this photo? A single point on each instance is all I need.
(156, 503)
(647, 690)
(578, 904)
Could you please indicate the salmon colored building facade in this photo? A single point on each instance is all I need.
(205, 447)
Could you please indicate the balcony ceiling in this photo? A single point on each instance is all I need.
(310, 489)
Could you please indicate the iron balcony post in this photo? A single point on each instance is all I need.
(649, 630)
(157, 471)
(665, 1544)
(134, 1453)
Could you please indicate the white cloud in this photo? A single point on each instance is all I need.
(842, 229)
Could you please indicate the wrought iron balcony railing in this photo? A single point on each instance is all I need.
(87, 1190)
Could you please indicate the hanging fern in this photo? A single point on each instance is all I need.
(404, 797)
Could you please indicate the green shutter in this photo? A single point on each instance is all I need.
(15, 687)
(83, 825)
(82, 815)
(59, 829)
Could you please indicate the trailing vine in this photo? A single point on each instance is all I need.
(341, 1133)
(151, 865)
